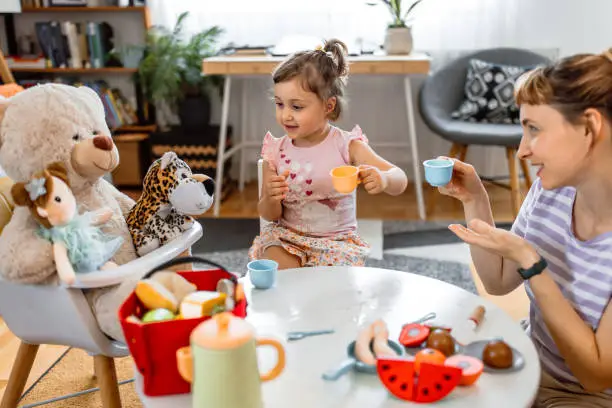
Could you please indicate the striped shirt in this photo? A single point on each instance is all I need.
(581, 269)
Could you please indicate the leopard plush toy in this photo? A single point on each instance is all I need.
(171, 197)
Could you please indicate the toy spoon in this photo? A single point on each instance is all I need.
(298, 335)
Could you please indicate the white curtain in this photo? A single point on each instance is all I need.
(443, 28)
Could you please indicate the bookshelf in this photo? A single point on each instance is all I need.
(146, 19)
(128, 26)
(74, 71)
(85, 9)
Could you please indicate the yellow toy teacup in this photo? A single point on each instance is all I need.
(345, 178)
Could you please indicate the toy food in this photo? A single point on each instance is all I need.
(165, 289)
(442, 341)
(413, 334)
(471, 367)
(381, 340)
(428, 355)
(430, 383)
(497, 354)
(157, 315)
(363, 350)
(201, 303)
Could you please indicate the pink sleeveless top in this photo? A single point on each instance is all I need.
(312, 206)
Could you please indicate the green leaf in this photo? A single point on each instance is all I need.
(411, 8)
(171, 65)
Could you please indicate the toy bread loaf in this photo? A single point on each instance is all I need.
(201, 303)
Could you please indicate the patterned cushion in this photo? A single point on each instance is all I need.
(489, 93)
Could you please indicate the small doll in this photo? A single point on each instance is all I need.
(79, 245)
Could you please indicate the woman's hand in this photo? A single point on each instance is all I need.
(465, 184)
(276, 186)
(497, 240)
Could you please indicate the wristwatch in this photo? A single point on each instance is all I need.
(535, 269)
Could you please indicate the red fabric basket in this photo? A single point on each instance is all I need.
(153, 346)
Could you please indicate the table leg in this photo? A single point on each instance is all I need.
(243, 126)
(221, 145)
(414, 149)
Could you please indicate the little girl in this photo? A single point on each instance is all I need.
(312, 224)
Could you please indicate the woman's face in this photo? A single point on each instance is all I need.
(557, 148)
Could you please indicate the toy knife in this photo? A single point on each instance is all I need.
(464, 332)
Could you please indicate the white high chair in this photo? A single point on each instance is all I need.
(60, 315)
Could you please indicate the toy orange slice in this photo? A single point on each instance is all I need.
(413, 335)
(471, 367)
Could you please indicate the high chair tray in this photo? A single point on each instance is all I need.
(142, 265)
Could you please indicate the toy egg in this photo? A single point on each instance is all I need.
(497, 354)
(442, 341)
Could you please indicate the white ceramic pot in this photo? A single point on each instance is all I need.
(398, 41)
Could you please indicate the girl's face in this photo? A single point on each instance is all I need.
(559, 149)
(61, 204)
(301, 113)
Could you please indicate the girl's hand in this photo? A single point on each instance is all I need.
(374, 181)
(497, 240)
(276, 188)
(465, 184)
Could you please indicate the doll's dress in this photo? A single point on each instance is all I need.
(88, 247)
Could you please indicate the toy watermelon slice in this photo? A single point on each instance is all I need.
(434, 382)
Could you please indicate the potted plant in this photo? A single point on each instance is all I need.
(171, 72)
(398, 38)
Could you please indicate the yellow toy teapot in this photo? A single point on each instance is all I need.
(221, 363)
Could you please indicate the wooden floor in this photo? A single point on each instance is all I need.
(404, 207)
(8, 349)
(244, 205)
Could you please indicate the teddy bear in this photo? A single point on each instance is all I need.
(61, 123)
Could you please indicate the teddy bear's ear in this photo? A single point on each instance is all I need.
(91, 98)
(21, 197)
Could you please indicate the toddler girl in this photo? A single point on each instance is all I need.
(311, 223)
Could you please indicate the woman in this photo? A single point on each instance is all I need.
(561, 242)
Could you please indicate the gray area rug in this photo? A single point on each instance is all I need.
(452, 272)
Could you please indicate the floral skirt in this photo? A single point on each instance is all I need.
(346, 249)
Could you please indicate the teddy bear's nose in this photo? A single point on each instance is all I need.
(103, 142)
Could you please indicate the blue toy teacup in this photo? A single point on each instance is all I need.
(438, 172)
(262, 273)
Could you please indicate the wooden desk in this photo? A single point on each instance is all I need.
(232, 67)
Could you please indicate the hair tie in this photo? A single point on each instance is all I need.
(36, 188)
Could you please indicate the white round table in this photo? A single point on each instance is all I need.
(347, 298)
